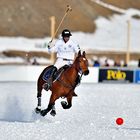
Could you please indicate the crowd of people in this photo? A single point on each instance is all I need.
(109, 63)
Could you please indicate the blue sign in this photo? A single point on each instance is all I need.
(116, 75)
(137, 76)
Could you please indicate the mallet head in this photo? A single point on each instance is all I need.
(69, 8)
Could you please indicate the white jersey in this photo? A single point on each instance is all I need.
(65, 52)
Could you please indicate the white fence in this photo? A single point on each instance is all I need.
(31, 73)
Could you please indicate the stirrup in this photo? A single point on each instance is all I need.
(46, 86)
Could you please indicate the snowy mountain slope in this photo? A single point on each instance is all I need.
(111, 34)
(32, 18)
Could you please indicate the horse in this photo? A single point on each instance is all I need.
(63, 86)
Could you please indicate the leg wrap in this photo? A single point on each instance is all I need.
(39, 101)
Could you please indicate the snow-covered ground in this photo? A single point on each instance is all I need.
(92, 116)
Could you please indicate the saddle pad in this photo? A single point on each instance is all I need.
(56, 75)
(46, 74)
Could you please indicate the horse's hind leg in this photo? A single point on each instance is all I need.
(38, 108)
(39, 94)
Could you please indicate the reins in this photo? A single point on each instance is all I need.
(71, 86)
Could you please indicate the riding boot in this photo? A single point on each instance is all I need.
(48, 84)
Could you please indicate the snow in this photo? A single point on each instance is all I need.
(111, 34)
(109, 6)
(94, 111)
(92, 116)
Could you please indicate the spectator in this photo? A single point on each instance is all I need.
(96, 63)
(106, 63)
(125, 64)
(117, 64)
(35, 62)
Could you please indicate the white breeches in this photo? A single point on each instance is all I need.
(60, 62)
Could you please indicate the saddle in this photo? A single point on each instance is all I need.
(56, 75)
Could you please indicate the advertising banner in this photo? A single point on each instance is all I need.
(116, 75)
(137, 76)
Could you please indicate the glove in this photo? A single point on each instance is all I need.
(47, 45)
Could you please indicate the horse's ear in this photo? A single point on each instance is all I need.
(84, 53)
(79, 53)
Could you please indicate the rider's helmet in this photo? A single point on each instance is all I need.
(66, 33)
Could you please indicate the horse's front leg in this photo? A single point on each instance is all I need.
(68, 104)
(50, 105)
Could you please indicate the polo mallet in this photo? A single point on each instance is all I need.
(66, 12)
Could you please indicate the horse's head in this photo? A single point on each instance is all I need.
(82, 63)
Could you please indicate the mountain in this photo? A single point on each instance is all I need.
(31, 18)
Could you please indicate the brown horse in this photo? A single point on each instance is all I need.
(63, 86)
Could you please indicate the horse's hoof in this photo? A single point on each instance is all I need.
(37, 110)
(43, 112)
(53, 112)
(64, 104)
